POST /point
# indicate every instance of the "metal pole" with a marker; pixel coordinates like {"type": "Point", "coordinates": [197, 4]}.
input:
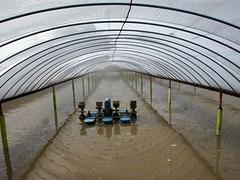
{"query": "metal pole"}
{"type": "Point", "coordinates": [83, 88]}
{"type": "Point", "coordinates": [92, 82]}
{"type": "Point", "coordinates": [95, 82]}
{"type": "Point", "coordinates": [55, 108]}
{"type": "Point", "coordinates": [132, 79]}
{"type": "Point", "coordinates": [150, 89]}
{"type": "Point", "coordinates": [129, 78]}
{"type": "Point", "coordinates": [5, 143]}
{"type": "Point", "coordinates": [73, 89]}
{"type": "Point", "coordinates": [219, 116]}
{"type": "Point", "coordinates": [136, 80]}
{"type": "Point", "coordinates": [141, 85]}
{"type": "Point", "coordinates": [194, 90]}
{"type": "Point", "coordinates": [179, 86]}
{"type": "Point", "coordinates": [170, 103]}
{"type": "Point", "coordinates": [88, 79]}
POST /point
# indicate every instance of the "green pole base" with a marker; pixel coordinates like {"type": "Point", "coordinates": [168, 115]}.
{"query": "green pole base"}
{"type": "Point", "coordinates": [219, 122]}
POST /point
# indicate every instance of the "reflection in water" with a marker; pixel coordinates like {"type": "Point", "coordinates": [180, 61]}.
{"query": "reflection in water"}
{"type": "Point", "coordinates": [170, 113]}
{"type": "Point", "coordinates": [100, 130]}
{"type": "Point", "coordinates": [117, 129]}
{"type": "Point", "coordinates": [133, 129]}
{"type": "Point", "coordinates": [108, 130]}
{"type": "Point", "coordinates": [218, 152]}
{"type": "Point", "coordinates": [83, 131]}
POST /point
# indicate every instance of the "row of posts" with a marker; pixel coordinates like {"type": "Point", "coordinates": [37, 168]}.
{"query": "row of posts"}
{"type": "Point", "coordinates": [133, 76]}
{"type": "Point", "coordinates": [3, 128]}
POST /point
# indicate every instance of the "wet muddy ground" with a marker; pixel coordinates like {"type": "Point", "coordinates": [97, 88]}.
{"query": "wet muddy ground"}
{"type": "Point", "coordinates": [148, 149]}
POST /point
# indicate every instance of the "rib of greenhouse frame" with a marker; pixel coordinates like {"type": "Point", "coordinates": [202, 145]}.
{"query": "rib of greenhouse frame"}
{"type": "Point", "coordinates": [119, 4]}
{"type": "Point", "coordinates": [94, 41]}
{"type": "Point", "coordinates": [120, 21]}
{"type": "Point", "coordinates": [101, 46]}
{"type": "Point", "coordinates": [58, 70]}
{"type": "Point", "coordinates": [33, 81]}
{"type": "Point", "coordinates": [35, 60]}
{"type": "Point", "coordinates": [74, 64]}
{"type": "Point", "coordinates": [207, 49]}
{"type": "Point", "coordinates": [93, 67]}
{"type": "Point", "coordinates": [146, 48]}
{"type": "Point", "coordinates": [183, 30]}
{"type": "Point", "coordinates": [146, 65]}
{"type": "Point", "coordinates": [142, 44]}
{"type": "Point", "coordinates": [148, 32]}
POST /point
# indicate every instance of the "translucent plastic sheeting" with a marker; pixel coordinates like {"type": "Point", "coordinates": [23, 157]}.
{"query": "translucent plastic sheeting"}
{"type": "Point", "coordinates": [47, 42]}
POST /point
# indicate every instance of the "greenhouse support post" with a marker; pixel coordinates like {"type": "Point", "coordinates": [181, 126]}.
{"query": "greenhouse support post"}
{"type": "Point", "coordinates": [83, 88]}
{"type": "Point", "coordinates": [55, 108]}
{"type": "Point", "coordinates": [88, 80]}
{"type": "Point", "coordinates": [5, 143]}
{"type": "Point", "coordinates": [219, 116]}
{"type": "Point", "coordinates": [74, 99]}
{"type": "Point", "coordinates": [170, 102]}
{"type": "Point", "coordinates": [150, 89]}
{"type": "Point", "coordinates": [136, 76]}
{"type": "Point", "coordinates": [141, 85]}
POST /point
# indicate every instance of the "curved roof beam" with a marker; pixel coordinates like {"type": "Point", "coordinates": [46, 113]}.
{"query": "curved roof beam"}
{"type": "Point", "coordinates": [162, 44]}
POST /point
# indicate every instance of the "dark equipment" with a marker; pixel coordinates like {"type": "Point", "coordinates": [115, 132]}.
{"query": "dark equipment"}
{"type": "Point", "coordinates": [116, 115]}
{"type": "Point", "coordinates": [133, 106]}
{"type": "Point", "coordinates": [107, 115]}
{"type": "Point", "coordinates": [99, 105]}
{"type": "Point", "coordinates": [81, 105]}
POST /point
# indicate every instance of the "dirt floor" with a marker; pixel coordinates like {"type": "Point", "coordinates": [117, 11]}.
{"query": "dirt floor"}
{"type": "Point", "coordinates": [149, 149]}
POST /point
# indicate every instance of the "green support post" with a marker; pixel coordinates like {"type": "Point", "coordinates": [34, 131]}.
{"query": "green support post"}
{"type": "Point", "coordinates": [219, 116]}
{"type": "Point", "coordinates": [55, 108]}
{"type": "Point", "coordinates": [141, 85]}
{"type": "Point", "coordinates": [194, 90]}
{"type": "Point", "coordinates": [74, 98]}
{"type": "Point", "coordinates": [218, 152]}
{"type": "Point", "coordinates": [170, 103]}
{"type": "Point", "coordinates": [5, 143]}
{"type": "Point", "coordinates": [150, 89]}
{"type": "Point", "coordinates": [88, 80]}
{"type": "Point", "coordinates": [83, 87]}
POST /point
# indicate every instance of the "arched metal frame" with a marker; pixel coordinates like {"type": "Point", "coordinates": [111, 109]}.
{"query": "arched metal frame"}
{"type": "Point", "coordinates": [171, 64]}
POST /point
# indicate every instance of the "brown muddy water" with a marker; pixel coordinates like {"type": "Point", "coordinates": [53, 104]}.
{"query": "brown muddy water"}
{"type": "Point", "coordinates": [149, 149]}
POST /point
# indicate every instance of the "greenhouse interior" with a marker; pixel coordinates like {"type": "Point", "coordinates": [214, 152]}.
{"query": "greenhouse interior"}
{"type": "Point", "coordinates": [119, 89]}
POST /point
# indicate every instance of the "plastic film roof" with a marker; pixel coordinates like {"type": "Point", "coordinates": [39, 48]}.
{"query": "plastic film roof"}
{"type": "Point", "coordinates": [44, 42]}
